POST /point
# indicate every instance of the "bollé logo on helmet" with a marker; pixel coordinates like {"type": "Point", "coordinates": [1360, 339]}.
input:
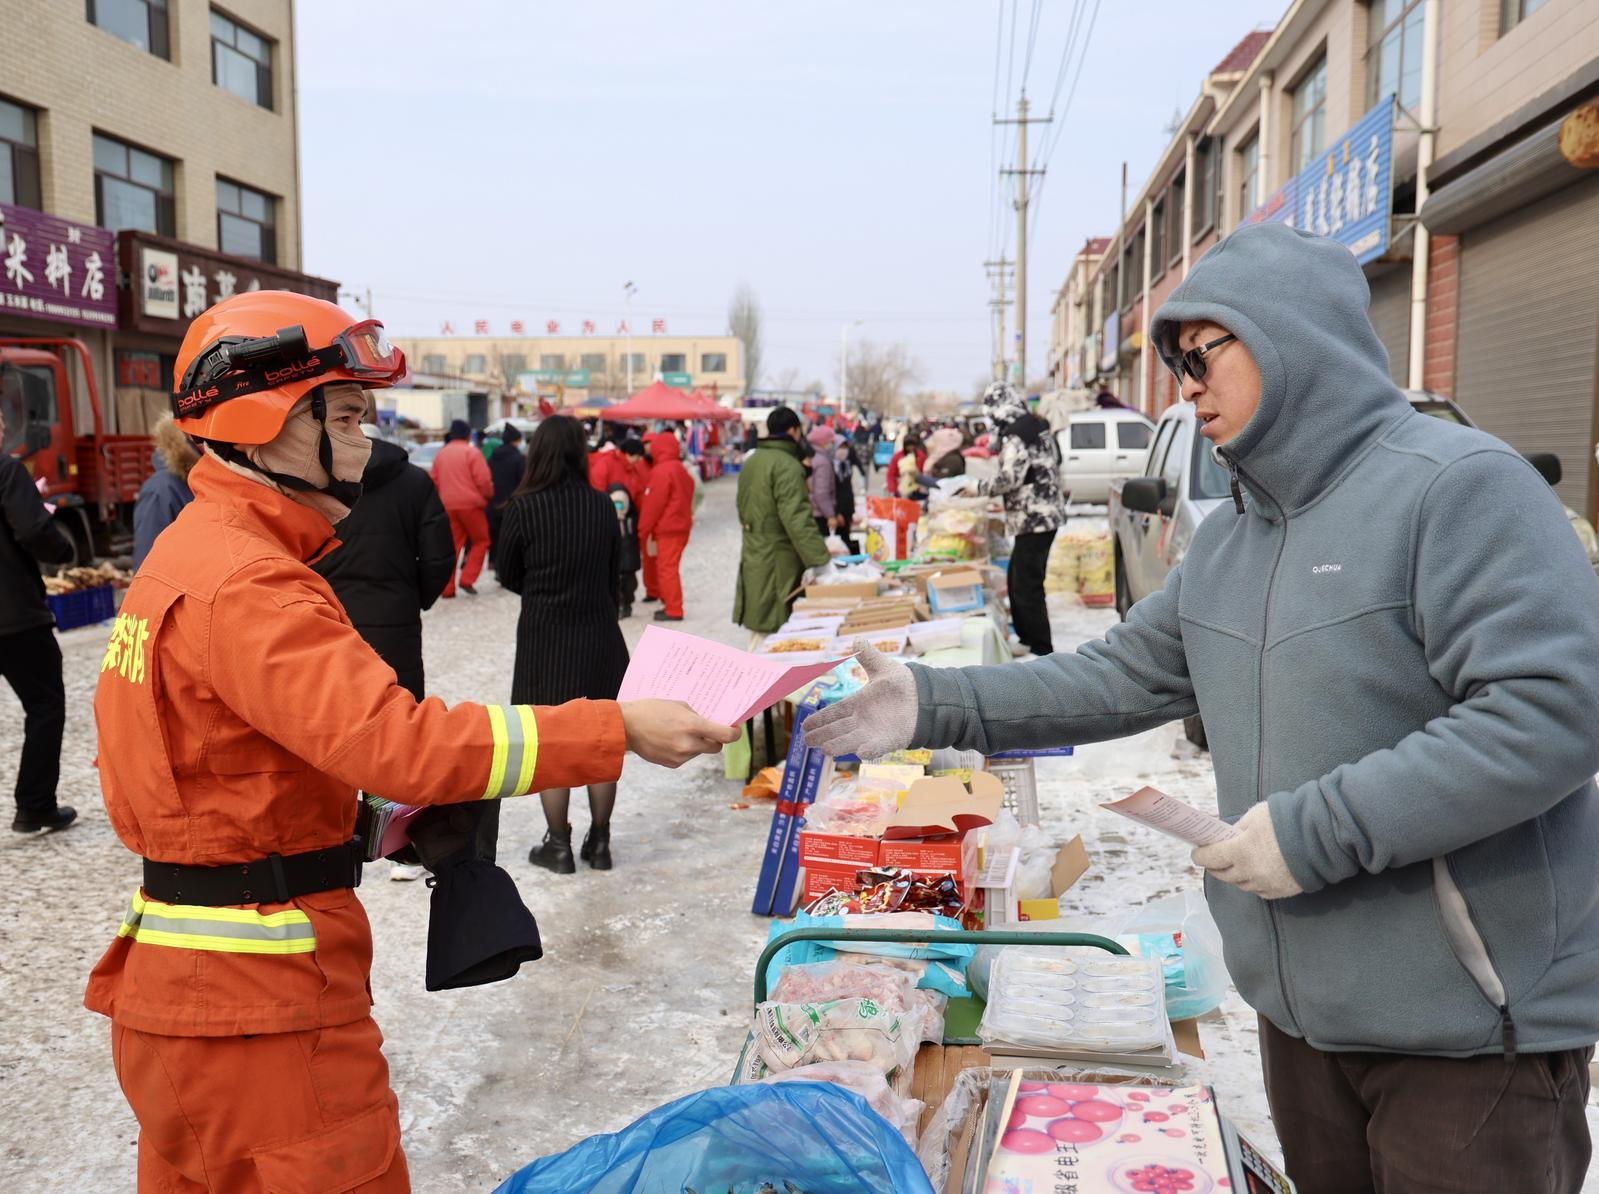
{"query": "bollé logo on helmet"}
{"type": "Point", "coordinates": [195, 400]}
{"type": "Point", "coordinates": [297, 369]}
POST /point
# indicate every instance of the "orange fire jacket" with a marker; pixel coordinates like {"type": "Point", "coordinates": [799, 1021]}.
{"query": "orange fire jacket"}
{"type": "Point", "coordinates": [238, 714]}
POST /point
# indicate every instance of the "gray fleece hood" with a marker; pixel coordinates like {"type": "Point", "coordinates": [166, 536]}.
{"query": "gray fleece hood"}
{"type": "Point", "coordinates": [1299, 305]}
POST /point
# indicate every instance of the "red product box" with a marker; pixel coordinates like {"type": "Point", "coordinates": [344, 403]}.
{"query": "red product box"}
{"type": "Point", "coordinates": [820, 878]}
{"type": "Point", "coordinates": [941, 856]}
{"type": "Point", "coordinates": [838, 850]}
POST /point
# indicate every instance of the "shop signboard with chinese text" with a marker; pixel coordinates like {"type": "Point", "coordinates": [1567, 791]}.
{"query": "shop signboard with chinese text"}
{"type": "Point", "coordinates": [52, 268]}
{"type": "Point", "coordinates": [681, 380]}
{"type": "Point", "coordinates": [1107, 342]}
{"type": "Point", "coordinates": [1347, 192]}
{"type": "Point", "coordinates": [166, 282]}
{"type": "Point", "coordinates": [566, 377]}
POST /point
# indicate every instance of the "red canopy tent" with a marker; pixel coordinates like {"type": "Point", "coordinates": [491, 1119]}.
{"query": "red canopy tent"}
{"type": "Point", "coordinates": [655, 401]}
{"type": "Point", "coordinates": [711, 409]}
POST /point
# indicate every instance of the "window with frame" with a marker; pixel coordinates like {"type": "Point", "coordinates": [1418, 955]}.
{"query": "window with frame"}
{"type": "Point", "coordinates": [512, 363]}
{"type": "Point", "coordinates": [1157, 241]}
{"type": "Point", "coordinates": [19, 155]}
{"type": "Point", "coordinates": [1132, 435]}
{"type": "Point", "coordinates": [594, 362]}
{"type": "Point", "coordinates": [674, 362]}
{"type": "Point", "coordinates": [247, 222]}
{"type": "Point", "coordinates": [475, 365]}
{"type": "Point", "coordinates": [1513, 12]}
{"type": "Point", "coordinates": [1248, 176]}
{"type": "Point", "coordinates": [434, 362]}
{"type": "Point", "coordinates": [1088, 437]}
{"type": "Point", "coordinates": [1205, 187]}
{"type": "Point", "coordinates": [553, 360]}
{"type": "Point", "coordinates": [713, 362]}
{"type": "Point", "coordinates": [1174, 218]}
{"type": "Point", "coordinates": [636, 364]}
{"type": "Point", "coordinates": [132, 188]}
{"type": "Point", "coordinates": [1310, 118]}
{"type": "Point", "coordinates": [241, 61]}
{"type": "Point", "coordinates": [1138, 258]}
{"type": "Point", "coordinates": [1393, 50]}
{"type": "Point", "coordinates": [141, 23]}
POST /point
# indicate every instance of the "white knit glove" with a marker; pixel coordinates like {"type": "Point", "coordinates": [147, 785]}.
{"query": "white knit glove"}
{"type": "Point", "coordinates": [877, 720]}
{"type": "Point", "coordinates": [1251, 859]}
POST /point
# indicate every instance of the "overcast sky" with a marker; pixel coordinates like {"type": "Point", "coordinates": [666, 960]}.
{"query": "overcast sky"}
{"type": "Point", "coordinates": [523, 159]}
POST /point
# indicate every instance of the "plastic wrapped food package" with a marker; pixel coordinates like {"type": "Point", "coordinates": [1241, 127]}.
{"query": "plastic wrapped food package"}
{"type": "Point", "coordinates": [788, 1035]}
{"type": "Point", "coordinates": [866, 1081]}
{"type": "Point", "coordinates": [1050, 999]}
{"type": "Point", "coordinates": [889, 981]}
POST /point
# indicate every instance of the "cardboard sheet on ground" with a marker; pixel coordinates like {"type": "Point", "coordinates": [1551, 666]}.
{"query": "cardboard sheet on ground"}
{"type": "Point", "coordinates": [1168, 815]}
{"type": "Point", "coordinates": [720, 683]}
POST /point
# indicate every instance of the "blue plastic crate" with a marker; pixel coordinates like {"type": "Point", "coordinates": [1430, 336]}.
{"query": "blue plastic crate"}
{"type": "Point", "coordinates": [84, 607]}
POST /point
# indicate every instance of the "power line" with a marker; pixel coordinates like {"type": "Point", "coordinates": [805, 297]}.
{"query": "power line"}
{"type": "Point", "coordinates": [1072, 28]}
{"type": "Point", "coordinates": [1060, 129]}
{"type": "Point", "coordinates": [1032, 39]}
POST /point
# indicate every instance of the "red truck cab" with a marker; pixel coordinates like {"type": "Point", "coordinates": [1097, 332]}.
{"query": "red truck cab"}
{"type": "Point", "coordinates": [92, 477]}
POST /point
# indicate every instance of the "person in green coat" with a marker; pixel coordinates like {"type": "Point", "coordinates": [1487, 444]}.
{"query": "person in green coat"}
{"type": "Point", "coordinates": [780, 536]}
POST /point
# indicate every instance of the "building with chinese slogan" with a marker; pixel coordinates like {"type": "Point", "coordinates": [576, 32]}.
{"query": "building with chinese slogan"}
{"type": "Point", "coordinates": [587, 365]}
{"type": "Point", "coordinates": [149, 166]}
{"type": "Point", "coordinates": [1318, 123]}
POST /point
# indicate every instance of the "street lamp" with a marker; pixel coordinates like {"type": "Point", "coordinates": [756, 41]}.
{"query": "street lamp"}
{"type": "Point", "coordinates": [628, 290]}
{"type": "Point", "coordinates": [843, 365]}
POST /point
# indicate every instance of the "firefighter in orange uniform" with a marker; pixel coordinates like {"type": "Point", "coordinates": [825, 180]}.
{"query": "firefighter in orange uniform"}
{"type": "Point", "coordinates": [238, 714]}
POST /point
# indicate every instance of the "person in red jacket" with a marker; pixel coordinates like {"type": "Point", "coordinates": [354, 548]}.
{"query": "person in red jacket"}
{"type": "Point", "coordinates": [465, 487]}
{"type": "Point", "coordinates": [608, 467]}
{"type": "Point", "coordinates": [665, 518]}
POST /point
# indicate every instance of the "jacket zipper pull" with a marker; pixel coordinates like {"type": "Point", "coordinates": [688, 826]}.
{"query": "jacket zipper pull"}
{"type": "Point", "coordinates": [1238, 494]}
{"type": "Point", "coordinates": [1508, 1028]}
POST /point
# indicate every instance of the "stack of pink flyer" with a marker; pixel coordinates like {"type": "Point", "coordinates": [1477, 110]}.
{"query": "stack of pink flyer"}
{"type": "Point", "coordinates": [719, 682]}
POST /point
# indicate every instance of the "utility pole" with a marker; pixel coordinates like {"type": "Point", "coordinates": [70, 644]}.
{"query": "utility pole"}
{"type": "Point", "coordinates": [1022, 174]}
{"type": "Point", "coordinates": [999, 275]}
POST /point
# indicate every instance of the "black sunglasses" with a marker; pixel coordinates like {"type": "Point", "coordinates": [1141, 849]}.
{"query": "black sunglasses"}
{"type": "Point", "coordinates": [1192, 362]}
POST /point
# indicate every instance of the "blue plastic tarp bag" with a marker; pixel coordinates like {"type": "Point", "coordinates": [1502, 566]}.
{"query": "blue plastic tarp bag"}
{"type": "Point", "coordinates": [819, 1138]}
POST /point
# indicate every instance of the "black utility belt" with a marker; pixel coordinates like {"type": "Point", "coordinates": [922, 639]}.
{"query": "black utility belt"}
{"type": "Point", "coordinates": [275, 879]}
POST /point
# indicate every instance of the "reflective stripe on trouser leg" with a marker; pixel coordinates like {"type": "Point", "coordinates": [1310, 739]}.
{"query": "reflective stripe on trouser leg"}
{"type": "Point", "coordinates": [516, 751]}
{"type": "Point", "coordinates": [222, 930]}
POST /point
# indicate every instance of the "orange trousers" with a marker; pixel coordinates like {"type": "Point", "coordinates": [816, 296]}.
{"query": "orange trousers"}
{"type": "Point", "coordinates": [279, 1111]}
{"type": "Point", "coordinates": [669, 585]}
{"type": "Point", "coordinates": [467, 525]}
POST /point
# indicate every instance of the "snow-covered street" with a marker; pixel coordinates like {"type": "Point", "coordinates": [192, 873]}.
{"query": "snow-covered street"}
{"type": "Point", "coordinates": [644, 991]}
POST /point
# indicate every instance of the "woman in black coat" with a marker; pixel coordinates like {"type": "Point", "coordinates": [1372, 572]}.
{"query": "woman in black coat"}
{"type": "Point", "coordinates": [394, 559]}
{"type": "Point", "coordinates": [561, 549]}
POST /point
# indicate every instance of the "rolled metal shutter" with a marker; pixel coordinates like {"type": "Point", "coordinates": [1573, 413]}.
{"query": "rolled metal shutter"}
{"type": "Point", "coordinates": [1527, 361]}
{"type": "Point", "coordinates": [1390, 317]}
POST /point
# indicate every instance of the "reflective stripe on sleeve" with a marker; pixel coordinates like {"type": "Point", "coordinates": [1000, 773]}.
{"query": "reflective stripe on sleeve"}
{"type": "Point", "coordinates": [516, 751]}
{"type": "Point", "coordinates": [223, 930]}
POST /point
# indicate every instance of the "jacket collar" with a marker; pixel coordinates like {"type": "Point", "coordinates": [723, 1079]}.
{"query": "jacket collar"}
{"type": "Point", "coordinates": [780, 443]}
{"type": "Point", "coordinates": [299, 530]}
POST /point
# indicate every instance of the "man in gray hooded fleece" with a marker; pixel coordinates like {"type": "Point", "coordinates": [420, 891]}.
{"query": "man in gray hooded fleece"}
{"type": "Point", "coordinates": [1393, 638]}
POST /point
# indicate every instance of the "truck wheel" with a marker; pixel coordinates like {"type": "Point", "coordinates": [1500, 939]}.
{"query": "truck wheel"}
{"type": "Point", "coordinates": [1124, 598]}
{"type": "Point", "coordinates": [74, 524]}
{"type": "Point", "coordinates": [1194, 731]}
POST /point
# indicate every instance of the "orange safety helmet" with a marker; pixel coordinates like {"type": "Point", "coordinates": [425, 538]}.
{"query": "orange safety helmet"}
{"type": "Point", "coordinates": [241, 368]}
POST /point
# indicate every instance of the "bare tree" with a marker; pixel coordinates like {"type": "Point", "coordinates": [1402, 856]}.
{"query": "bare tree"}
{"type": "Point", "coordinates": [744, 321]}
{"type": "Point", "coordinates": [880, 374]}
{"type": "Point", "coordinates": [788, 379]}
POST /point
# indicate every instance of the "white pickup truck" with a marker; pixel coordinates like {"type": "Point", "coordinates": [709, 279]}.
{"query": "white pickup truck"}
{"type": "Point", "coordinates": [1153, 517]}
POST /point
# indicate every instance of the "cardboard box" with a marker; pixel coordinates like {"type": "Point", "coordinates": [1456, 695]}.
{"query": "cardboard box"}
{"type": "Point", "coordinates": [863, 588]}
{"type": "Point", "coordinates": [1002, 909]}
{"type": "Point", "coordinates": [821, 878]}
{"type": "Point", "coordinates": [838, 849]}
{"type": "Point", "coordinates": [941, 804]}
{"type": "Point", "coordinates": [938, 856]}
{"type": "Point", "coordinates": [955, 591]}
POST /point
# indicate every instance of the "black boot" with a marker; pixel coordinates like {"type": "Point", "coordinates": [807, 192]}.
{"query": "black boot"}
{"type": "Point", "coordinates": [556, 852]}
{"type": "Point", "coordinates": [46, 822]}
{"type": "Point", "coordinates": [596, 849]}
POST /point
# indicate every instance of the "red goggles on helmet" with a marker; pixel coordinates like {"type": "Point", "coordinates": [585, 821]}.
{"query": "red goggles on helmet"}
{"type": "Point", "coordinates": [238, 365]}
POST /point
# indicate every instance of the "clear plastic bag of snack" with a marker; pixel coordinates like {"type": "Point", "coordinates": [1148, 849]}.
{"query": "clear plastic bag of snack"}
{"type": "Point", "coordinates": [788, 1035]}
